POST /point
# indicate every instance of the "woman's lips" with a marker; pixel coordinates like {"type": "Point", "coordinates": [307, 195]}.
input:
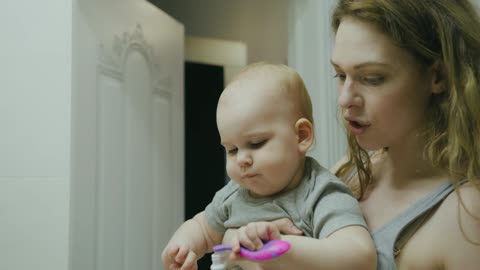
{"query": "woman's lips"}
{"type": "Point", "coordinates": [357, 128]}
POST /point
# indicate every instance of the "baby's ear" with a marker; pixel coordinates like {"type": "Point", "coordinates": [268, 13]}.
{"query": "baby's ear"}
{"type": "Point", "coordinates": [305, 135]}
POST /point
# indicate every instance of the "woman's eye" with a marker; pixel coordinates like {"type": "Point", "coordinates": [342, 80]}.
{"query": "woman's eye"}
{"type": "Point", "coordinates": [340, 76]}
{"type": "Point", "coordinates": [259, 144]}
{"type": "Point", "coordinates": [373, 80]}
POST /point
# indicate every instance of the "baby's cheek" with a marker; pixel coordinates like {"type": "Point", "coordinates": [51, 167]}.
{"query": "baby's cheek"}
{"type": "Point", "coordinates": [231, 171]}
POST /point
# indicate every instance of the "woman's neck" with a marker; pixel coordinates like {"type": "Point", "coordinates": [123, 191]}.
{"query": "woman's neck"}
{"type": "Point", "coordinates": [401, 167]}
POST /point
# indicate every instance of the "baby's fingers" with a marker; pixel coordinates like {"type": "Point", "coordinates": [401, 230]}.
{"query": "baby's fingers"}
{"type": "Point", "coordinates": [182, 254]}
{"type": "Point", "coordinates": [250, 237]}
{"type": "Point", "coordinates": [174, 266]}
{"type": "Point", "coordinates": [235, 254]}
{"type": "Point", "coordinates": [190, 262]}
{"type": "Point", "coordinates": [235, 243]}
{"type": "Point", "coordinates": [169, 254]}
{"type": "Point", "coordinates": [269, 231]}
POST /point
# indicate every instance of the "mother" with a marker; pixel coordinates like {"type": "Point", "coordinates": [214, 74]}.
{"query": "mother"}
{"type": "Point", "coordinates": [408, 83]}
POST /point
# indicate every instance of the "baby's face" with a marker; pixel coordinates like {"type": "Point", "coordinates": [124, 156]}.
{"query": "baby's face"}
{"type": "Point", "coordinates": [257, 129]}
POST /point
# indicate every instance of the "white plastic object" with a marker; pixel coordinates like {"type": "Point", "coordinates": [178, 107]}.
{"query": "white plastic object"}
{"type": "Point", "coordinates": [220, 257]}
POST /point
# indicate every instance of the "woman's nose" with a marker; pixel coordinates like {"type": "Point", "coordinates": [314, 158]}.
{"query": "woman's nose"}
{"type": "Point", "coordinates": [347, 95]}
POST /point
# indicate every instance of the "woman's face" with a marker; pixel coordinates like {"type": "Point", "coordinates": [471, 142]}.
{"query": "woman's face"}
{"type": "Point", "coordinates": [383, 91]}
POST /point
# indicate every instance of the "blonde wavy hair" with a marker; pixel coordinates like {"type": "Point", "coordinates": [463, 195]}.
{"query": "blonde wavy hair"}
{"type": "Point", "coordinates": [434, 31]}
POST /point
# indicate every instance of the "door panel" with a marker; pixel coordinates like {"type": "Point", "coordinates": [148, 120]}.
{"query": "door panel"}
{"type": "Point", "coordinates": [127, 179]}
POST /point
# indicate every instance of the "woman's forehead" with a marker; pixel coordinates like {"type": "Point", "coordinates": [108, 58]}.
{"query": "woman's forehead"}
{"type": "Point", "coordinates": [360, 44]}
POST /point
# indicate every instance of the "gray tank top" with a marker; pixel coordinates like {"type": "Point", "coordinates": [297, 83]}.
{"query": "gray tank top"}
{"type": "Point", "coordinates": [390, 238]}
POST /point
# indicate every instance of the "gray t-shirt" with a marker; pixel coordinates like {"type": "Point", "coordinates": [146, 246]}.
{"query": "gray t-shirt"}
{"type": "Point", "coordinates": [319, 206]}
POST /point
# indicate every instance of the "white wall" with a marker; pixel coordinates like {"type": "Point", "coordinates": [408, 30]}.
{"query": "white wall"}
{"type": "Point", "coordinates": [261, 25]}
{"type": "Point", "coordinates": [35, 134]}
{"type": "Point", "coordinates": [310, 42]}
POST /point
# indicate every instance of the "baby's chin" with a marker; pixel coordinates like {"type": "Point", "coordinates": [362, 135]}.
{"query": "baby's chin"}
{"type": "Point", "coordinates": [256, 194]}
{"type": "Point", "coordinates": [262, 194]}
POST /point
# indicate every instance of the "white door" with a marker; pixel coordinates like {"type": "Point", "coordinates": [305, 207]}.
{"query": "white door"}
{"type": "Point", "coordinates": [127, 134]}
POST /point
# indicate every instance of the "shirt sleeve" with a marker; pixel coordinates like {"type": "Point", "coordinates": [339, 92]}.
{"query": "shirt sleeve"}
{"type": "Point", "coordinates": [218, 210]}
{"type": "Point", "coordinates": [335, 208]}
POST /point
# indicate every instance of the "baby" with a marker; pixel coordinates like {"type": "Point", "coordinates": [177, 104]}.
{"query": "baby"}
{"type": "Point", "coordinates": [264, 117]}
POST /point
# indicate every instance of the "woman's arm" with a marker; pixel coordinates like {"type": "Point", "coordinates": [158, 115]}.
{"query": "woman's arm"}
{"type": "Point", "coordinates": [348, 248]}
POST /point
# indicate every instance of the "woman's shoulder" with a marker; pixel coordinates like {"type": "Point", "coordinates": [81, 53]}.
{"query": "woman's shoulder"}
{"type": "Point", "coordinates": [463, 206]}
{"type": "Point", "coordinates": [459, 224]}
{"type": "Point", "coordinates": [450, 239]}
{"type": "Point", "coordinates": [467, 195]}
{"type": "Point", "coordinates": [461, 209]}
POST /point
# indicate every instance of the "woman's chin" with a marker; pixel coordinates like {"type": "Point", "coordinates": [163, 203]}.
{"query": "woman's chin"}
{"type": "Point", "coordinates": [369, 145]}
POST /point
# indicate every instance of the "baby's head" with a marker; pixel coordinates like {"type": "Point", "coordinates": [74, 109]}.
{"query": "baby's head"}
{"type": "Point", "coordinates": [264, 117]}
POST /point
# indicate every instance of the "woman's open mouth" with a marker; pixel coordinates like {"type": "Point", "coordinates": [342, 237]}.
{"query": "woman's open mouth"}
{"type": "Point", "coordinates": [357, 128]}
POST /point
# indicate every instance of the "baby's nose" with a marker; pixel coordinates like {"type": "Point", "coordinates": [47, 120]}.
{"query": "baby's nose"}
{"type": "Point", "coordinates": [244, 158]}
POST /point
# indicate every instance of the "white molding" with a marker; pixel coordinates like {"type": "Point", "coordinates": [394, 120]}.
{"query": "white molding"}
{"type": "Point", "coordinates": [232, 55]}
{"type": "Point", "coordinates": [111, 60]}
{"type": "Point", "coordinates": [215, 51]}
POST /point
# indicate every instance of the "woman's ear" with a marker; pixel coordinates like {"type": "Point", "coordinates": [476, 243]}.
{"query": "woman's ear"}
{"type": "Point", "coordinates": [305, 134]}
{"type": "Point", "coordinates": [439, 77]}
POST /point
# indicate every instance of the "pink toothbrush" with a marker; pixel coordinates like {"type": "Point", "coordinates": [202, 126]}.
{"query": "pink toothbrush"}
{"type": "Point", "coordinates": [270, 250]}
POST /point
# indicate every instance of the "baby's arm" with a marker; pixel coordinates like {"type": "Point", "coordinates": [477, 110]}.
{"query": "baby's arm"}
{"type": "Point", "coordinates": [347, 248]}
{"type": "Point", "coordinates": [190, 242]}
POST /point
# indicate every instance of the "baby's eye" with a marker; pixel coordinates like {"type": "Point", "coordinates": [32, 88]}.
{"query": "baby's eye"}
{"type": "Point", "coordinates": [256, 145]}
{"type": "Point", "coordinates": [232, 151]}
{"type": "Point", "coordinates": [373, 80]}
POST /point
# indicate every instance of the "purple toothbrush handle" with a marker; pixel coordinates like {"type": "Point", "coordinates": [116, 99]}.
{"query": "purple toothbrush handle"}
{"type": "Point", "coordinates": [270, 250]}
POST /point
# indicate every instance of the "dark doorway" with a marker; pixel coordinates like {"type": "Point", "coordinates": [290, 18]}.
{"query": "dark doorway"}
{"type": "Point", "coordinates": [204, 156]}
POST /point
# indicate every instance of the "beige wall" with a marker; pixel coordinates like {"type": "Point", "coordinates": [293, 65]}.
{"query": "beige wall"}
{"type": "Point", "coordinates": [261, 25]}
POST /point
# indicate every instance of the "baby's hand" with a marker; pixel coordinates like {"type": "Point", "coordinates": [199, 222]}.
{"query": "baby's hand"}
{"type": "Point", "coordinates": [254, 234]}
{"type": "Point", "coordinates": [179, 256]}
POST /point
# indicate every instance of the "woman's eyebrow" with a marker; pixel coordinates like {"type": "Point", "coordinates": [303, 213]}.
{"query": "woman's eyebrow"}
{"type": "Point", "coordinates": [364, 64]}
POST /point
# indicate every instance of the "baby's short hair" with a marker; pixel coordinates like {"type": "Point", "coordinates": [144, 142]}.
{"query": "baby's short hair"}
{"type": "Point", "coordinates": [286, 76]}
